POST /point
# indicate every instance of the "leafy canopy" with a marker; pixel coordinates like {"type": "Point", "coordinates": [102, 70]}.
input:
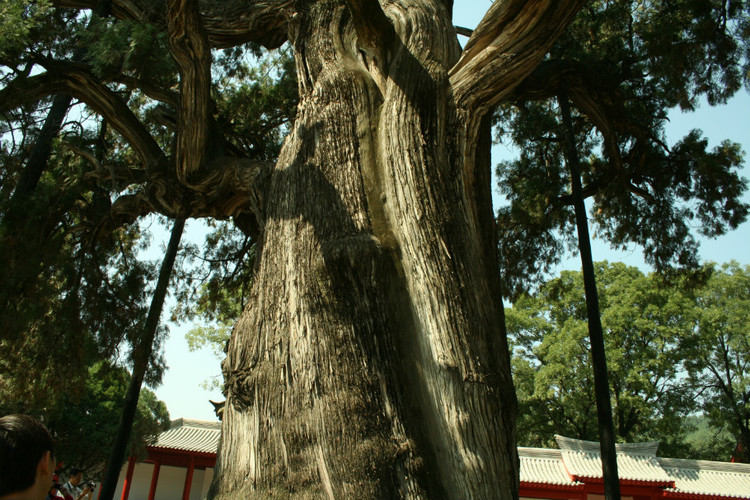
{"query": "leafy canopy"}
{"type": "Point", "coordinates": [624, 66]}
{"type": "Point", "coordinates": [677, 359]}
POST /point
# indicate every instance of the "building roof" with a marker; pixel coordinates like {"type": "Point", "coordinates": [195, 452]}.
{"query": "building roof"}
{"type": "Point", "coordinates": [542, 466]}
{"type": "Point", "coordinates": [574, 464]}
{"type": "Point", "coordinates": [190, 435]}
{"type": "Point", "coordinates": [577, 462]}
{"type": "Point", "coordinates": [697, 477]}
{"type": "Point", "coordinates": [636, 462]}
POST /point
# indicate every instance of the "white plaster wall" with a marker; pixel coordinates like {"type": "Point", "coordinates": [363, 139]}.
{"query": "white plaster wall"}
{"type": "Point", "coordinates": [170, 485]}
{"type": "Point", "coordinates": [208, 476]}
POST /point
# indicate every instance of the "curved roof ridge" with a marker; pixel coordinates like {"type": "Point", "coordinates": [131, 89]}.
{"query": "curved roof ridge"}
{"type": "Point", "coordinates": [198, 424]}
{"type": "Point", "coordinates": [708, 465]}
{"type": "Point", "coordinates": [646, 449]}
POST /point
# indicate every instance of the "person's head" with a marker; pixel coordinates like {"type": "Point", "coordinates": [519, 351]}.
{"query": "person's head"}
{"type": "Point", "coordinates": [27, 459]}
{"type": "Point", "coordinates": [76, 476]}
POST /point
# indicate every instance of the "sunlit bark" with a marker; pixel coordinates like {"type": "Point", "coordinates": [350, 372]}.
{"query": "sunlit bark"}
{"type": "Point", "coordinates": [371, 361]}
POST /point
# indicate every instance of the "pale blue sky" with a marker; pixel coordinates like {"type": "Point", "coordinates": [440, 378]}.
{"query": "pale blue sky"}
{"type": "Point", "coordinates": [181, 389]}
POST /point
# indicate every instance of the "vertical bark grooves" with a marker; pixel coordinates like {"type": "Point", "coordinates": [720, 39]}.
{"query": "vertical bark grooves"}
{"type": "Point", "coordinates": [442, 258]}
{"type": "Point", "coordinates": [365, 366]}
{"type": "Point", "coordinates": [188, 43]}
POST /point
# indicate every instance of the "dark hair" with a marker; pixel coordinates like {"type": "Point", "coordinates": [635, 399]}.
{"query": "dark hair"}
{"type": "Point", "coordinates": [23, 441]}
{"type": "Point", "coordinates": [75, 471]}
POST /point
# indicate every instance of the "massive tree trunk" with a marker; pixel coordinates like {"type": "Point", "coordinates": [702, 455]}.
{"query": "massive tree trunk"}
{"type": "Point", "coordinates": [370, 362]}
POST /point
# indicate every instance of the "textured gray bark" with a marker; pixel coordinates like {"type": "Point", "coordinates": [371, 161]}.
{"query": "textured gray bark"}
{"type": "Point", "coordinates": [371, 360]}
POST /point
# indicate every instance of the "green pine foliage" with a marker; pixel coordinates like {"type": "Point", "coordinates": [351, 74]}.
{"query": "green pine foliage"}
{"type": "Point", "coordinates": [625, 65]}
{"type": "Point", "coordinates": [84, 427]}
{"type": "Point", "coordinates": [677, 359]}
{"type": "Point", "coordinates": [22, 22]}
{"type": "Point", "coordinates": [72, 288]}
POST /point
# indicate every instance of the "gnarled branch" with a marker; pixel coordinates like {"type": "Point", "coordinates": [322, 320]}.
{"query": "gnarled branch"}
{"type": "Point", "coordinates": [228, 23]}
{"type": "Point", "coordinates": [234, 188]}
{"type": "Point", "coordinates": [77, 81]}
{"type": "Point", "coordinates": [507, 45]}
{"type": "Point", "coordinates": [149, 89]}
{"type": "Point", "coordinates": [188, 43]}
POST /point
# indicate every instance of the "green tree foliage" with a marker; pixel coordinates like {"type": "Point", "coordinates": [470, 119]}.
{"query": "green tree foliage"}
{"type": "Point", "coordinates": [677, 355]}
{"type": "Point", "coordinates": [644, 327]}
{"type": "Point", "coordinates": [84, 427]}
{"type": "Point", "coordinates": [21, 22]}
{"type": "Point", "coordinates": [719, 363]}
{"type": "Point", "coordinates": [85, 421]}
{"type": "Point", "coordinates": [707, 441]}
{"type": "Point", "coordinates": [70, 293]}
{"type": "Point", "coordinates": [74, 285]}
{"type": "Point", "coordinates": [624, 65]}
{"type": "Point", "coordinates": [219, 291]}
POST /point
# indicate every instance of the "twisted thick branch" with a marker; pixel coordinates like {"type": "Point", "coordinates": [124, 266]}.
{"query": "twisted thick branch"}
{"type": "Point", "coordinates": [188, 43]}
{"type": "Point", "coordinates": [227, 187]}
{"type": "Point", "coordinates": [228, 23]}
{"type": "Point", "coordinates": [77, 81]}
{"type": "Point", "coordinates": [235, 187]}
{"type": "Point", "coordinates": [506, 46]}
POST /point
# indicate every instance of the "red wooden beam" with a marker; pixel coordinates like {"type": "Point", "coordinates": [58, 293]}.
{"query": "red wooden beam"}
{"type": "Point", "coordinates": [154, 481]}
{"type": "Point", "coordinates": [188, 479]}
{"type": "Point", "coordinates": [550, 491]}
{"type": "Point", "coordinates": [128, 479]}
{"type": "Point", "coordinates": [181, 458]}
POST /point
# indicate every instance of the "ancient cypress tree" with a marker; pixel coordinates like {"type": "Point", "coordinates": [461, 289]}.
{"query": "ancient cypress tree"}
{"type": "Point", "coordinates": [371, 360]}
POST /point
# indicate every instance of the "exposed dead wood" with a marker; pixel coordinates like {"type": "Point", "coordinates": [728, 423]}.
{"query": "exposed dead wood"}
{"type": "Point", "coordinates": [373, 27]}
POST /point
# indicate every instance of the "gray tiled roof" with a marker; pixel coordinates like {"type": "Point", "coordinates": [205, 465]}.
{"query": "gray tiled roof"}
{"type": "Point", "coordinates": [542, 466]}
{"type": "Point", "coordinates": [635, 462]}
{"type": "Point", "coordinates": [191, 435]}
{"type": "Point", "coordinates": [708, 478]}
{"type": "Point", "coordinates": [568, 467]}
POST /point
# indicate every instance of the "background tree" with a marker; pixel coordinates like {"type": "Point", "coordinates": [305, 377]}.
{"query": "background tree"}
{"type": "Point", "coordinates": [677, 356]}
{"type": "Point", "coordinates": [645, 328]}
{"type": "Point", "coordinates": [83, 426]}
{"type": "Point", "coordinates": [620, 71]}
{"type": "Point", "coordinates": [708, 442]}
{"type": "Point", "coordinates": [141, 354]}
{"type": "Point", "coordinates": [68, 296]}
{"type": "Point", "coordinates": [720, 362]}
{"type": "Point", "coordinates": [624, 66]}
